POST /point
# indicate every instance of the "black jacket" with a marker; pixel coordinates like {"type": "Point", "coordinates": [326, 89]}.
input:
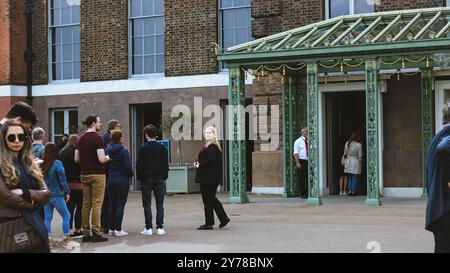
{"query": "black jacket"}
{"type": "Point", "coordinates": [152, 162]}
{"type": "Point", "coordinates": [210, 166]}
{"type": "Point", "coordinates": [71, 168]}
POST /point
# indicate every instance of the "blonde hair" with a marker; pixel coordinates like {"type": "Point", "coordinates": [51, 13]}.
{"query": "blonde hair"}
{"type": "Point", "coordinates": [25, 156]}
{"type": "Point", "coordinates": [214, 139]}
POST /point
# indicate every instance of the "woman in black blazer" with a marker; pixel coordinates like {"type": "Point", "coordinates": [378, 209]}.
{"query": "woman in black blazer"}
{"type": "Point", "coordinates": [209, 175]}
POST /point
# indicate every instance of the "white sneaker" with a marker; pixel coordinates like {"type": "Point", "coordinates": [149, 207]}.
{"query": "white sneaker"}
{"type": "Point", "coordinates": [160, 231]}
{"type": "Point", "coordinates": [147, 232]}
{"type": "Point", "coordinates": [111, 232]}
{"type": "Point", "coordinates": [120, 233]}
{"type": "Point", "coordinates": [341, 193]}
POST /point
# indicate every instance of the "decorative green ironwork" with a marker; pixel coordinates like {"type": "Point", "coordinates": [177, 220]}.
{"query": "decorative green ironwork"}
{"type": "Point", "coordinates": [236, 98]}
{"type": "Point", "coordinates": [390, 28]}
{"type": "Point", "coordinates": [427, 122]}
{"type": "Point", "coordinates": [313, 135]}
{"type": "Point", "coordinates": [373, 142]}
{"type": "Point", "coordinates": [290, 134]}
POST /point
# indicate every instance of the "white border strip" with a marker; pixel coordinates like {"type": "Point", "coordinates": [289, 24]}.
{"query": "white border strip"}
{"type": "Point", "coordinates": [133, 84]}
{"type": "Point", "coordinates": [402, 192]}
{"type": "Point", "coordinates": [13, 91]}
{"type": "Point", "coordinates": [268, 190]}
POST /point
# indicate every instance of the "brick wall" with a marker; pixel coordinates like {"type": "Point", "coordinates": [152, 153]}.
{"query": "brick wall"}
{"type": "Point", "coordinates": [104, 40]}
{"type": "Point", "coordinates": [386, 5]}
{"type": "Point", "coordinates": [191, 27]}
{"type": "Point", "coordinates": [4, 43]}
{"type": "Point", "coordinates": [40, 49]}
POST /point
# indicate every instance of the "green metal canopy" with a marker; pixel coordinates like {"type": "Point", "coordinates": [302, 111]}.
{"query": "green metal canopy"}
{"type": "Point", "coordinates": [415, 31]}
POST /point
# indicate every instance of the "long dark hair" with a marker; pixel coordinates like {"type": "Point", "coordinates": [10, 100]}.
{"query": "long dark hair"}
{"type": "Point", "coordinates": [51, 153]}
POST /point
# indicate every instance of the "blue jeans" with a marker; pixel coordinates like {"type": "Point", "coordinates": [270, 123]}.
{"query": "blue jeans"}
{"type": "Point", "coordinates": [158, 186]}
{"type": "Point", "coordinates": [118, 194]}
{"type": "Point", "coordinates": [353, 182]}
{"type": "Point", "coordinates": [60, 204]}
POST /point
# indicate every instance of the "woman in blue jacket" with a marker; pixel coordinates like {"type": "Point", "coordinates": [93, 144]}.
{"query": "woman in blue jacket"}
{"type": "Point", "coordinates": [55, 179]}
{"type": "Point", "coordinates": [118, 184]}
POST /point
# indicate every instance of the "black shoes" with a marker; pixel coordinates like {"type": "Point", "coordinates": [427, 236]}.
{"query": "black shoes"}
{"type": "Point", "coordinates": [224, 223]}
{"type": "Point", "coordinates": [95, 238]}
{"type": "Point", "coordinates": [205, 227]}
{"type": "Point", "coordinates": [76, 235]}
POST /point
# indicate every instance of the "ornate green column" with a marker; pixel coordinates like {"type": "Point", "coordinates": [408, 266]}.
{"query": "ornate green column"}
{"type": "Point", "coordinates": [313, 135]}
{"type": "Point", "coordinates": [372, 139]}
{"type": "Point", "coordinates": [427, 122]}
{"type": "Point", "coordinates": [290, 134]}
{"type": "Point", "coordinates": [237, 158]}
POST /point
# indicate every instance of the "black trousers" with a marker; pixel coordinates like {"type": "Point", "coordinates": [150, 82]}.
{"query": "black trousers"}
{"type": "Point", "coordinates": [75, 207]}
{"type": "Point", "coordinates": [211, 204]}
{"type": "Point", "coordinates": [441, 234]}
{"type": "Point", "coordinates": [104, 221]}
{"type": "Point", "coordinates": [303, 178]}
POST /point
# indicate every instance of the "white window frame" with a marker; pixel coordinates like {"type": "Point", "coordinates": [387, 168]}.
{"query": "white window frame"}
{"type": "Point", "coordinates": [66, 121]}
{"type": "Point", "coordinates": [220, 30]}
{"type": "Point", "coordinates": [49, 42]}
{"type": "Point", "coordinates": [130, 44]}
{"type": "Point", "coordinates": [351, 9]}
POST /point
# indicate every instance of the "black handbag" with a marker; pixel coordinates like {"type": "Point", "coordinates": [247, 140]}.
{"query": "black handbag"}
{"type": "Point", "coordinates": [17, 235]}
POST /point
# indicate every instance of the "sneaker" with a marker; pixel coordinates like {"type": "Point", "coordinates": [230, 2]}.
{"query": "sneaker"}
{"type": "Point", "coordinates": [86, 239]}
{"type": "Point", "coordinates": [224, 223]}
{"type": "Point", "coordinates": [76, 235]}
{"type": "Point", "coordinates": [341, 193]}
{"type": "Point", "coordinates": [52, 242]}
{"type": "Point", "coordinates": [120, 233]}
{"type": "Point", "coordinates": [344, 193]}
{"type": "Point", "coordinates": [205, 227]}
{"type": "Point", "coordinates": [97, 238]}
{"type": "Point", "coordinates": [160, 231]}
{"type": "Point", "coordinates": [111, 232]}
{"type": "Point", "coordinates": [147, 232]}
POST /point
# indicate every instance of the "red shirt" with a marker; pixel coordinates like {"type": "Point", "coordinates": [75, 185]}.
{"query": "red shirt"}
{"type": "Point", "coordinates": [87, 146]}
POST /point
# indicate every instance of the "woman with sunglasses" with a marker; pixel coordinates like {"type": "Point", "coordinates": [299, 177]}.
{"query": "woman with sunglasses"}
{"type": "Point", "coordinates": [56, 181]}
{"type": "Point", "coordinates": [21, 176]}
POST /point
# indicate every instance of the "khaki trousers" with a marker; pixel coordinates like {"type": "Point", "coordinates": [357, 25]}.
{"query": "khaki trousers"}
{"type": "Point", "coordinates": [93, 192]}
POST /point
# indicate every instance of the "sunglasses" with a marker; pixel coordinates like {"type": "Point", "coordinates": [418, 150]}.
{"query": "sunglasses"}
{"type": "Point", "coordinates": [13, 137]}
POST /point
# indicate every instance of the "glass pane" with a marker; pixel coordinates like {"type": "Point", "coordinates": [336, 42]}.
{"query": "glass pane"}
{"type": "Point", "coordinates": [365, 6]}
{"type": "Point", "coordinates": [56, 71]}
{"type": "Point", "coordinates": [56, 17]}
{"type": "Point", "coordinates": [159, 7]}
{"type": "Point", "coordinates": [58, 119]}
{"type": "Point", "coordinates": [138, 27]}
{"type": "Point", "coordinates": [66, 35]}
{"type": "Point", "coordinates": [75, 15]}
{"type": "Point", "coordinates": [135, 8]}
{"type": "Point", "coordinates": [58, 36]}
{"type": "Point", "coordinates": [58, 53]}
{"type": "Point", "coordinates": [147, 7]}
{"type": "Point", "coordinates": [226, 3]}
{"type": "Point", "coordinates": [73, 122]}
{"type": "Point", "coordinates": [242, 17]}
{"type": "Point", "coordinates": [137, 65]}
{"type": "Point", "coordinates": [76, 70]}
{"type": "Point", "coordinates": [64, 4]}
{"type": "Point", "coordinates": [137, 46]}
{"type": "Point", "coordinates": [67, 52]}
{"type": "Point", "coordinates": [149, 64]}
{"type": "Point", "coordinates": [160, 44]}
{"type": "Point", "coordinates": [241, 36]}
{"type": "Point", "coordinates": [76, 34]}
{"type": "Point", "coordinates": [447, 3]}
{"type": "Point", "coordinates": [65, 16]}
{"type": "Point", "coordinates": [76, 52]}
{"type": "Point", "coordinates": [228, 38]}
{"type": "Point", "coordinates": [159, 63]}
{"type": "Point", "coordinates": [149, 45]}
{"type": "Point", "coordinates": [240, 3]}
{"type": "Point", "coordinates": [159, 25]}
{"type": "Point", "coordinates": [149, 26]}
{"type": "Point", "coordinates": [67, 71]}
{"type": "Point", "coordinates": [228, 19]}
{"type": "Point", "coordinates": [56, 3]}
{"type": "Point", "coordinates": [339, 7]}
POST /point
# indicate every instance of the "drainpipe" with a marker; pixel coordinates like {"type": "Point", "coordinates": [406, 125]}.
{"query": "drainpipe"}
{"type": "Point", "coordinates": [29, 52]}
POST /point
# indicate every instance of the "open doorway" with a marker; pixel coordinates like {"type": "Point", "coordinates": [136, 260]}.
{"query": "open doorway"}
{"type": "Point", "coordinates": [249, 148]}
{"type": "Point", "coordinates": [345, 113]}
{"type": "Point", "coordinates": [141, 116]}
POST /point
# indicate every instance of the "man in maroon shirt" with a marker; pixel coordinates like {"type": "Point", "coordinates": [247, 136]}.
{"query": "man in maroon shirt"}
{"type": "Point", "coordinates": [90, 153]}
